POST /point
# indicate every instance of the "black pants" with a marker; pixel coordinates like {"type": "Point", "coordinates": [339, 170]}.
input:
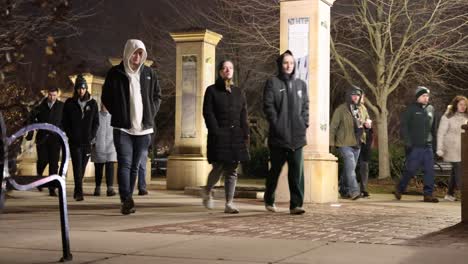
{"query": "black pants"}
{"type": "Point", "coordinates": [295, 160]}
{"type": "Point", "coordinates": [98, 167]}
{"type": "Point", "coordinates": [80, 157]}
{"type": "Point", "coordinates": [48, 152]}
{"type": "Point", "coordinates": [454, 180]}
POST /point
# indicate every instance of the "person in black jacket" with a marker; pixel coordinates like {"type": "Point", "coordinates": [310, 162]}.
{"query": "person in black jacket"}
{"type": "Point", "coordinates": [80, 122]}
{"type": "Point", "coordinates": [48, 144]}
{"type": "Point", "coordinates": [418, 130]}
{"type": "Point", "coordinates": [132, 95]}
{"type": "Point", "coordinates": [225, 113]}
{"type": "Point", "coordinates": [286, 106]}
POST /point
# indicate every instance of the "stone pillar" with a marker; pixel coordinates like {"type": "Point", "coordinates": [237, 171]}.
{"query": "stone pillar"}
{"type": "Point", "coordinates": [464, 175]}
{"type": "Point", "coordinates": [305, 30]}
{"type": "Point", "coordinates": [195, 70]}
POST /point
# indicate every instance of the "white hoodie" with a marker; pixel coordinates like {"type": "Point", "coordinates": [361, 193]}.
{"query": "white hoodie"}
{"type": "Point", "coordinates": [136, 103]}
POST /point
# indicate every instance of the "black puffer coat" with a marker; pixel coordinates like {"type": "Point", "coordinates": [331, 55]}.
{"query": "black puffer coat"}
{"type": "Point", "coordinates": [226, 119]}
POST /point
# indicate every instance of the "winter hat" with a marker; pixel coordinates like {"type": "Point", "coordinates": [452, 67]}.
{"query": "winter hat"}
{"type": "Point", "coordinates": [421, 90]}
{"type": "Point", "coordinates": [356, 90]}
{"type": "Point", "coordinates": [80, 82]}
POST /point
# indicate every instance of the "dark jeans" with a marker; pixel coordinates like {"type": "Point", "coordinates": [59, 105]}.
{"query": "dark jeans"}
{"type": "Point", "coordinates": [98, 167]}
{"type": "Point", "coordinates": [80, 157]}
{"type": "Point", "coordinates": [348, 182]}
{"type": "Point", "coordinates": [48, 152]}
{"type": "Point", "coordinates": [130, 149]}
{"type": "Point", "coordinates": [295, 160]}
{"type": "Point", "coordinates": [142, 171]}
{"type": "Point", "coordinates": [416, 158]}
{"type": "Point", "coordinates": [454, 181]}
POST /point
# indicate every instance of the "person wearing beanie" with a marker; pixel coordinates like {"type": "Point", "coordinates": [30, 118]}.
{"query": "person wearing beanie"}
{"type": "Point", "coordinates": [225, 114]}
{"type": "Point", "coordinates": [132, 95]}
{"type": "Point", "coordinates": [286, 107]}
{"type": "Point", "coordinates": [80, 122]}
{"type": "Point", "coordinates": [348, 127]}
{"type": "Point", "coordinates": [418, 130]}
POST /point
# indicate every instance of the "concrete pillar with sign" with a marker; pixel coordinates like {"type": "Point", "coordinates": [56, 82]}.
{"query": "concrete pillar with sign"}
{"type": "Point", "coordinates": [187, 166]}
{"type": "Point", "coordinates": [305, 30]}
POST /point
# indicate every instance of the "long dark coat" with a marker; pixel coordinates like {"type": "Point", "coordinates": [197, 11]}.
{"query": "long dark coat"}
{"type": "Point", "coordinates": [225, 116]}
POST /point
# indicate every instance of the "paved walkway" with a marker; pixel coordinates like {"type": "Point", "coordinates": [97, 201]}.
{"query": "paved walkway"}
{"type": "Point", "coordinates": [170, 227]}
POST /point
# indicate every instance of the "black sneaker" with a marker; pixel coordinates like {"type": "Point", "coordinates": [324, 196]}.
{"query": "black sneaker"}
{"type": "Point", "coordinates": [110, 192]}
{"type": "Point", "coordinates": [97, 191]}
{"type": "Point", "coordinates": [430, 199]}
{"type": "Point", "coordinates": [142, 192]}
{"type": "Point", "coordinates": [78, 197]}
{"type": "Point", "coordinates": [297, 211]}
{"type": "Point", "coordinates": [127, 207]}
{"type": "Point", "coordinates": [365, 195]}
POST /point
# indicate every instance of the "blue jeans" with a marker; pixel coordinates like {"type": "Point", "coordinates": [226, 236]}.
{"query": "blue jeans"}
{"type": "Point", "coordinates": [348, 182]}
{"type": "Point", "coordinates": [416, 158]}
{"type": "Point", "coordinates": [130, 150]}
{"type": "Point", "coordinates": [142, 171]}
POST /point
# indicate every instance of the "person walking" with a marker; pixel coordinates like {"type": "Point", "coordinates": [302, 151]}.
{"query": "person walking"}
{"type": "Point", "coordinates": [225, 113]}
{"type": "Point", "coordinates": [286, 106]}
{"type": "Point", "coordinates": [449, 140]}
{"type": "Point", "coordinates": [418, 130]}
{"type": "Point", "coordinates": [103, 153]}
{"type": "Point", "coordinates": [80, 122]}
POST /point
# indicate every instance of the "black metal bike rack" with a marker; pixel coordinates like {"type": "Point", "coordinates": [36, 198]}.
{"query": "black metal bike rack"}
{"type": "Point", "coordinates": [24, 183]}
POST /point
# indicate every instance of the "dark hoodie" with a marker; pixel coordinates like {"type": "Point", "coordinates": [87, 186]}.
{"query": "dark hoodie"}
{"type": "Point", "coordinates": [286, 106]}
{"type": "Point", "coordinates": [80, 119]}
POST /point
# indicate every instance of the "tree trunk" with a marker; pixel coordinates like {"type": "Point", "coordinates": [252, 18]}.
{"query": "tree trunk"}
{"type": "Point", "coordinates": [382, 132]}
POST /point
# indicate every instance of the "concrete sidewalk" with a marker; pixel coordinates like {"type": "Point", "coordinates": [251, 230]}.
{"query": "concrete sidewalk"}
{"type": "Point", "coordinates": [170, 227]}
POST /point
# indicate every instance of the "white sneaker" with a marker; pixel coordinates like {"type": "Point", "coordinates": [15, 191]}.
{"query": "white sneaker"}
{"type": "Point", "coordinates": [230, 209]}
{"type": "Point", "coordinates": [450, 198]}
{"type": "Point", "coordinates": [207, 199]}
{"type": "Point", "coordinates": [271, 208]}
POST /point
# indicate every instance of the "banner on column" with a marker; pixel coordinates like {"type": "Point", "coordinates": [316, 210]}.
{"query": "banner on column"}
{"type": "Point", "coordinates": [189, 96]}
{"type": "Point", "coordinates": [298, 43]}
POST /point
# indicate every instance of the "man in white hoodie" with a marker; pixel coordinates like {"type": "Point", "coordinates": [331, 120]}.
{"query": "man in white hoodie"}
{"type": "Point", "coordinates": [132, 95]}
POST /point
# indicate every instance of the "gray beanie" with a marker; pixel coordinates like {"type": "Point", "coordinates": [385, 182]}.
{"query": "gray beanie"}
{"type": "Point", "coordinates": [421, 90]}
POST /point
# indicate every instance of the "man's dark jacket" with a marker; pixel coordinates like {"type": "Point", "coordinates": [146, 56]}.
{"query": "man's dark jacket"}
{"type": "Point", "coordinates": [43, 114]}
{"type": "Point", "coordinates": [286, 106]}
{"type": "Point", "coordinates": [418, 125]}
{"type": "Point", "coordinates": [80, 128]}
{"type": "Point", "coordinates": [116, 96]}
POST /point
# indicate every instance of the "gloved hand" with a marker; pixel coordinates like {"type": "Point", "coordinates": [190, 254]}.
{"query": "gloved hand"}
{"type": "Point", "coordinates": [440, 153]}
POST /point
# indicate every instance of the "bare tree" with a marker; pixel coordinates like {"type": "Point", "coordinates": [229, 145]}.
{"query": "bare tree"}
{"type": "Point", "coordinates": [27, 24]}
{"type": "Point", "coordinates": [385, 45]}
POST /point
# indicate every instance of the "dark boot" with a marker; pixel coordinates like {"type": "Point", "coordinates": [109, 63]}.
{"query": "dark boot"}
{"type": "Point", "coordinates": [127, 207]}
{"type": "Point", "coordinates": [430, 199]}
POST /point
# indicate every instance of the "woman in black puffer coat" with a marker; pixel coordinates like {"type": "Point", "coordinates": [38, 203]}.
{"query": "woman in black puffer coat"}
{"type": "Point", "coordinates": [225, 113]}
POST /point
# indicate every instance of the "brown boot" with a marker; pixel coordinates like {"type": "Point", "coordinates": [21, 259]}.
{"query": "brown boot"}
{"type": "Point", "coordinates": [430, 199]}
